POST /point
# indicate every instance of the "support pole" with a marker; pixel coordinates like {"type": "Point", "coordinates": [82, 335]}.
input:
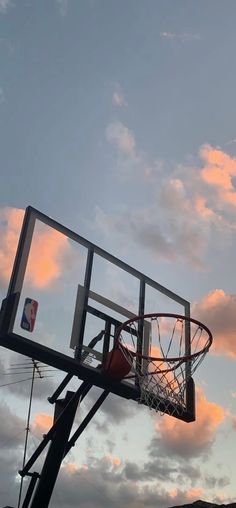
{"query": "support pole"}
{"type": "Point", "coordinates": [55, 454]}
{"type": "Point", "coordinates": [77, 397]}
{"type": "Point", "coordinates": [86, 421]}
{"type": "Point", "coordinates": [30, 490]}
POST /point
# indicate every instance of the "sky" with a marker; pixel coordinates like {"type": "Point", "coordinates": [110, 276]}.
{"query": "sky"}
{"type": "Point", "coordinates": [117, 120]}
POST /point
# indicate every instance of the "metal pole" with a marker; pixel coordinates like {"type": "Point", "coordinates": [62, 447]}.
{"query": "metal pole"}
{"type": "Point", "coordinates": [55, 454]}
{"type": "Point", "coordinates": [86, 421]}
{"type": "Point", "coordinates": [77, 396]}
{"type": "Point", "coordinates": [27, 431]}
{"type": "Point", "coordinates": [30, 490]}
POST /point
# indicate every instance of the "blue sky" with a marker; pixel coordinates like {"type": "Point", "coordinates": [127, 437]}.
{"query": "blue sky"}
{"type": "Point", "coordinates": [117, 119]}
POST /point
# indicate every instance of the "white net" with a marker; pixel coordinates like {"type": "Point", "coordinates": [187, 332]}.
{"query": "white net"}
{"type": "Point", "coordinates": [177, 347]}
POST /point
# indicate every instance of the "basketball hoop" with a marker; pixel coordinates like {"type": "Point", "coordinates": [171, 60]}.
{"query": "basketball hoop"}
{"type": "Point", "coordinates": [178, 344]}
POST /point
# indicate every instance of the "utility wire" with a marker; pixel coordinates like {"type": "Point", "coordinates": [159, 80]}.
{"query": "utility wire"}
{"type": "Point", "coordinates": [24, 372]}
{"type": "Point", "coordinates": [23, 380]}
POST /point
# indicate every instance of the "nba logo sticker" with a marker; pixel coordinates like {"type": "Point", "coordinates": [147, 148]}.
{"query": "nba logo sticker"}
{"type": "Point", "coordinates": [29, 314]}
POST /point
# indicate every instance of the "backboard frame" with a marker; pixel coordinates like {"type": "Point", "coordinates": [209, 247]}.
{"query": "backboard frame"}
{"type": "Point", "coordinates": [23, 345]}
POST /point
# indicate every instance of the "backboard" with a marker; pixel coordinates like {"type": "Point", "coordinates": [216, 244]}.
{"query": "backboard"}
{"type": "Point", "coordinates": [67, 297]}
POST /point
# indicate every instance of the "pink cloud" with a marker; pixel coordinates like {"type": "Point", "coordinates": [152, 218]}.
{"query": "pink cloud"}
{"type": "Point", "coordinates": [189, 210]}
{"type": "Point", "coordinates": [202, 209]}
{"type": "Point", "coordinates": [193, 494]}
{"type": "Point", "coordinates": [194, 438]}
{"type": "Point", "coordinates": [10, 224]}
{"type": "Point", "coordinates": [46, 259]}
{"type": "Point", "coordinates": [72, 468]}
{"type": "Point", "coordinates": [42, 422]}
{"type": "Point", "coordinates": [48, 253]}
{"type": "Point", "coordinates": [218, 171]}
{"type": "Point", "coordinates": [218, 311]}
{"type": "Point", "coordinates": [115, 461]}
{"type": "Point", "coordinates": [190, 495]}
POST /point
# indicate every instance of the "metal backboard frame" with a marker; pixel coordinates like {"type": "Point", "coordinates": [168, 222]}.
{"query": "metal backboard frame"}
{"type": "Point", "coordinates": [87, 302]}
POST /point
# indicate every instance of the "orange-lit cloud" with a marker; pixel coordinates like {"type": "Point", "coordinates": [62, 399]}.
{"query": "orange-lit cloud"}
{"type": "Point", "coordinates": [115, 461]}
{"type": "Point", "coordinates": [218, 311]}
{"type": "Point", "coordinates": [48, 253]}
{"type": "Point", "coordinates": [194, 494]}
{"type": "Point", "coordinates": [10, 225]}
{"type": "Point", "coordinates": [164, 380]}
{"type": "Point", "coordinates": [190, 495]}
{"type": "Point", "coordinates": [202, 209]}
{"type": "Point", "coordinates": [219, 171]}
{"type": "Point", "coordinates": [46, 259]}
{"type": "Point", "coordinates": [194, 438]}
{"type": "Point", "coordinates": [41, 424]}
{"type": "Point", "coordinates": [196, 204]}
{"type": "Point", "coordinates": [73, 468]}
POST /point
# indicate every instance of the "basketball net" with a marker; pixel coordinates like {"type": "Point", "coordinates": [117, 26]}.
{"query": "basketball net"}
{"type": "Point", "coordinates": [178, 346]}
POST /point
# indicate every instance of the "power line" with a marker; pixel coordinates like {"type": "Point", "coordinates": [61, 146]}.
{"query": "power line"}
{"type": "Point", "coordinates": [24, 372]}
{"type": "Point", "coordinates": [22, 381]}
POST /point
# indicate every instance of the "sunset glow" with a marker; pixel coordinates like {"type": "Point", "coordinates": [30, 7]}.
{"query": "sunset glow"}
{"type": "Point", "coordinates": [117, 128]}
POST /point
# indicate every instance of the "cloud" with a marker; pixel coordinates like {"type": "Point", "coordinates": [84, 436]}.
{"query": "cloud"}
{"type": "Point", "coordinates": [193, 494]}
{"type": "Point", "coordinates": [102, 484]}
{"type": "Point", "coordinates": [191, 208]}
{"type": "Point", "coordinates": [4, 5]}
{"type": "Point", "coordinates": [169, 228]}
{"type": "Point", "coordinates": [121, 137]}
{"type": "Point", "coordinates": [72, 467]}
{"type": "Point", "coordinates": [231, 142]}
{"type": "Point", "coordinates": [49, 252]}
{"type": "Point", "coordinates": [233, 420]}
{"type": "Point", "coordinates": [213, 482]}
{"type": "Point", "coordinates": [115, 461]}
{"type": "Point", "coordinates": [218, 172]}
{"type": "Point", "coordinates": [9, 466]}
{"type": "Point", "coordinates": [118, 99]}
{"type": "Point", "coordinates": [12, 437]}
{"type": "Point", "coordinates": [218, 311]}
{"type": "Point", "coordinates": [118, 410]}
{"type": "Point", "coordinates": [131, 162]}
{"type": "Point", "coordinates": [168, 35]}
{"type": "Point", "coordinates": [189, 440]}
{"type": "Point", "coordinates": [41, 424]}
{"type": "Point", "coordinates": [181, 36]}
{"type": "Point", "coordinates": [11, 429]}
{"type": "Point", "coordinates": [9, 373]}
{"type": "Point", "coordinates": [162, 469]}
{"type": "Point", "coordinates": [47, 257]}
{"type": "Point", "coordinates": [169, 470]}
{"type": "Point", "coordinates": [203, 210]}
{"type": "Point", "coordinates": [10, 224]}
